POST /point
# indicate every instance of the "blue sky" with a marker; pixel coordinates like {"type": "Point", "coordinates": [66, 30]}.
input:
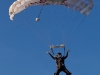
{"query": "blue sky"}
{"type": "Point", "coordinates": [24, 42]}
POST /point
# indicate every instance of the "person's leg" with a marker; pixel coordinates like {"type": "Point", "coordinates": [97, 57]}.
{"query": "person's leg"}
{"type": "Point", "coordinates": [57, 72]}
{"type": "Point", "coordinates": [66, 71]}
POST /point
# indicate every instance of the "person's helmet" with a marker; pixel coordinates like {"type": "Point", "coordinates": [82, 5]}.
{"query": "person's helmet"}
{"type": "Point", "coordinates": [59, 54]}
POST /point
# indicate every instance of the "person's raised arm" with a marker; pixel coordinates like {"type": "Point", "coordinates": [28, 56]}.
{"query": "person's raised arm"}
{"type": "Point", "coordinates": [51, 55]}
{"type": "Point", "coordinates": [66, 54]}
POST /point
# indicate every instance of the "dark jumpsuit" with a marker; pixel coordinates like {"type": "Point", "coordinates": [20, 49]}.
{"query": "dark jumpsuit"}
{"type": "Point", "coordinates": [60, 64]}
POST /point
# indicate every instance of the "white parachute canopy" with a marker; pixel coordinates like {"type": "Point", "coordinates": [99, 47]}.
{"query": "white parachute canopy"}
{"type": "Point", "coordinates": [19, 6]}
{"type": "Point", "coordinates": [82, 6]}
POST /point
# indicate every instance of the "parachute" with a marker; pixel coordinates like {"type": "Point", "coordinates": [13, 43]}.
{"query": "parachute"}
{"type": "Point", "coordinates": [82, 6]}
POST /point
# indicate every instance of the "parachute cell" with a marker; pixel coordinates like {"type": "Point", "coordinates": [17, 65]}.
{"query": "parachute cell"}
{"type": "Point", "coordinates": [82, 6]}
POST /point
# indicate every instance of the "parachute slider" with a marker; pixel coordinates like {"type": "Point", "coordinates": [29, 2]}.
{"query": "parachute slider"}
{"type": "Point", "coordinates": [57, 46]}
{"type": "Point", "coordinates": [37, 19]}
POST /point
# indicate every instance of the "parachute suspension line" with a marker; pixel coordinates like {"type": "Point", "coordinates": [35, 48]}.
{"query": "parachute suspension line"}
{"type": "Point", "coordinates": [37, 61]}
{"type": "Point", "coordinates": [77, 27]}
{"type": "Point", "coordinates": [48, 36]}
{"type": "Point", "coordinates": [70, 24]}
{"type": "Point", "coordinates": [46, 30]}
{"type": "Point", "coordinates": [64, 30]}
{"type": "Point", "coordinates": [33, 31]}
{"type": "Point", "coordinates": [36, 33]}
{"type": "Point", "coordinates": [49, 40]}
{"type": "Point", "coordinates": [60, 26]}
{"type": "Point", "coordinates": [66, 22]}
{"type": "Point", "coordinates": [18, 24]}
{"type": "Point", "coordinates": [79, 24]}
{"type": "Point", "coordinates": [63, 27]}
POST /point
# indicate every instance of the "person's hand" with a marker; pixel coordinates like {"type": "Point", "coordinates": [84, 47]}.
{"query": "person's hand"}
{"type": "Point", "coordinates": [48, 52]}
{"type": "Point", "coordinates": [67, 50]}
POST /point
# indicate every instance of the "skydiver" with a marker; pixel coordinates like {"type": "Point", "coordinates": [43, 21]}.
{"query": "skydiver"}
{"type": "Point", "coordinates": [60, 63]}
